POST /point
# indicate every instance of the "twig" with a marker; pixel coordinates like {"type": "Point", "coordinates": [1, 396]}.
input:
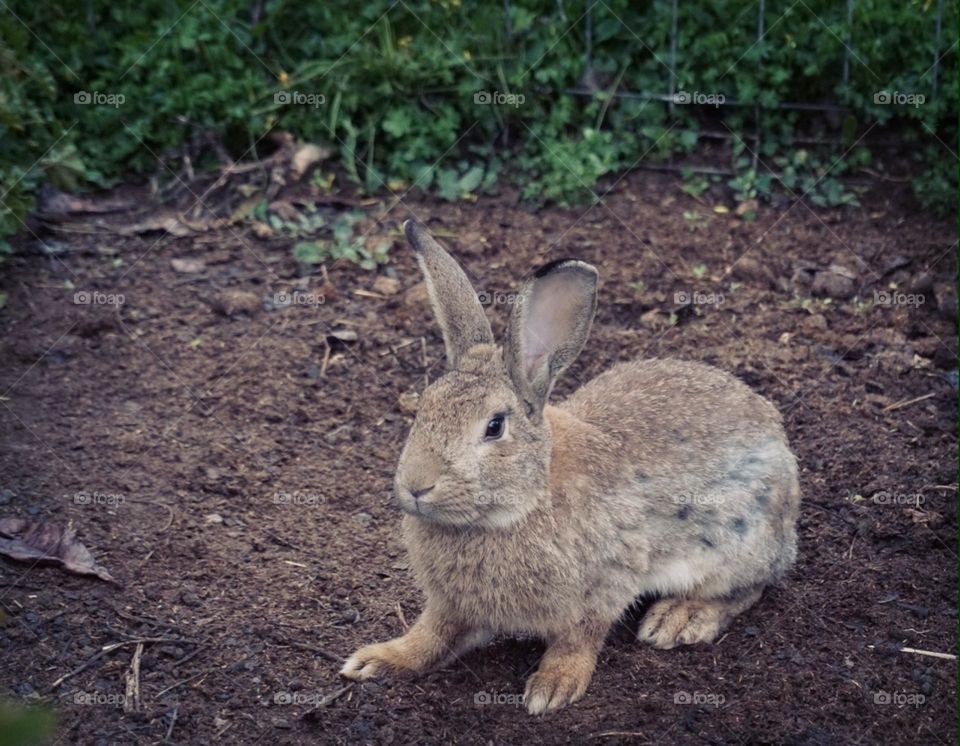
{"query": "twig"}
{"type": "Point", "coordinates": [328, 700]}
{"type": "Point", "coordinates": [314, 649]}
{"type": "Point", "coordinates": [131, 702]}
{"type": "Point", "coordinates": [907, 402]}
{"type": "Point", "coordinates": [170, 688]}
{"type": "Point", "coordinates": [173, 721]}
{"type": "Point", "coordinates": [403, 619]}
{"type": "Point", "coordinates": [930, 653]}
{"type": "Point", "coordinates": [326, 358]}
{"type": "Point", "coordinates": [107, 649]}
{"type": "Point", "coordinates": [618, 734]}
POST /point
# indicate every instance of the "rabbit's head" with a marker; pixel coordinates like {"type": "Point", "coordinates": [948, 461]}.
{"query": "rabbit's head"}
{"type": "Point", "coordinates": [478, 453]}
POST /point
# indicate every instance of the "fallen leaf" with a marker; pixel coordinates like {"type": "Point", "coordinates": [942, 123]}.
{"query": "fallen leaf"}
{"type": "Point", "coordinates": [261, 230]}
{"type": "Point", "coordinates": [38, 541]}
{"type": "Point", "coordinates": [386, 285]}
{"type": "Point", "coordinates": [167, 223]}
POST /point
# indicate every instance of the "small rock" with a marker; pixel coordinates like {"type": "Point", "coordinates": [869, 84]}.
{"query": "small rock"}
{"type": "Point", "coordinates": [261, 230]}
{"type": "Point", "coordinates": [343, 336]}
{"type": "Point", "coordinates": [6, 496]}
{"type": "Point", "coordinates": [946, 301]}
{"type": "Point", "coordinates": [652, 319]}
{"type": "Point", "coordinates": [188, 266]}
{"type": "Point", "coordinates": [409, 401]}
{"type": "Point", "coordinates": [817, 321]}
{"type": "Point", "coordinates": [282, 724]}
{"type": "Point", "coordinates": [386, 285]}
{"type": "Point", "coordinates": [363, 518]}
{"type": "Point", "coordinates": [834, 282]}
{"type": "Point", "coordinates": [189, 598]}
{"type": "Point", "coordinates": [922, 283]}
{"type": "Point", "coordinates": [213, 519]}
{"type": "Point", "coordinates": [232, 302]}
{"type": "Point", "coordinates": [350, 615]}
{"type": "Point", "coordinates": [749, 268]}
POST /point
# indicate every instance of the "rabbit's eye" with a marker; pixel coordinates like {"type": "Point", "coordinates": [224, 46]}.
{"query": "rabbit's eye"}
{"type": "Point", "coordinates": [494, 428]}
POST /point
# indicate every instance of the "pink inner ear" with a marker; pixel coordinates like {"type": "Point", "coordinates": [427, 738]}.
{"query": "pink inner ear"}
{"type": "Point", "coordinates": [549, 320]}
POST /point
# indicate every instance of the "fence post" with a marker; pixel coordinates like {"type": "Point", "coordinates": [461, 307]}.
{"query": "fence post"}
{"type": "Point", "coordinates": [848, 40]}
{"type": "Point", "coordinates": [673, 55]}
{"type": "Point", "coordinates": [936, 51]}
{"type": "Point", "coordinates": [756, 107]}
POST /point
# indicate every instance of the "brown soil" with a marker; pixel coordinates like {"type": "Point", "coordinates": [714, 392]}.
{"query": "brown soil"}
{"type": "Point", "coordinates": [187, 405]}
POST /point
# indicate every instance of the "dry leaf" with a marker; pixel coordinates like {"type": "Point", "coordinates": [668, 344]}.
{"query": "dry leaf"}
{"type": "Point", "coordinates": [38, 541]}
{"type": "Point", "coordinates": [306, 156]}
{"type": "Point", "coordinates": [386, 285]}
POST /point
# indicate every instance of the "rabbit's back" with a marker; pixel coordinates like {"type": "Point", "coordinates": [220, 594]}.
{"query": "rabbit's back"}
{"type": "Point", "coordinates": [705, 473]}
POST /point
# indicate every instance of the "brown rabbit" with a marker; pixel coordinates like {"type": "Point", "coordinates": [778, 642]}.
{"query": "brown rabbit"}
{"type": "Point", "coordinates": [657, 477]}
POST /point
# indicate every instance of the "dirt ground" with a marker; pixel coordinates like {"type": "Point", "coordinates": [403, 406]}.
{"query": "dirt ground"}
{"type": "Point", "coordinates": [236, 461]}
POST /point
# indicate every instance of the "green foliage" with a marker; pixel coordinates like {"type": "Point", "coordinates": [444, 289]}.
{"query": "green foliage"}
{"type": "Point", "coordinates": [345, 242]}
{"type": "Point", "coordinates": [20, 726]}
{"type": "Point", "coordinates": [439, 95]}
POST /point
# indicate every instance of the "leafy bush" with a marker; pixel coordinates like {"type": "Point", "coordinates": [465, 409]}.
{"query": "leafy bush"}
{"type": "Point", "coordinates": [454, 98]}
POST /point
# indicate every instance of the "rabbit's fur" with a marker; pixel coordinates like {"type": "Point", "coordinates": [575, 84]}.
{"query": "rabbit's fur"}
{"type": "Point", "coordinates": [657, 477]}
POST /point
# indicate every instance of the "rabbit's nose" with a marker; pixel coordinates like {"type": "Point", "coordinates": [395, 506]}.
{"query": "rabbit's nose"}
{"type": "Point", "coordinates": [418, 493]}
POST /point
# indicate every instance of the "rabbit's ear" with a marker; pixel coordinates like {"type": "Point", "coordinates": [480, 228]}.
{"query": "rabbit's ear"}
{"type": "Point", "coordinates": [453, 299]}
{"type": "Point", "coordinates": [548, 328]}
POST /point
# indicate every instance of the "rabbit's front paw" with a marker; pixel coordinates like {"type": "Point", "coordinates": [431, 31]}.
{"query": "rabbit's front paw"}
{"type": "Point", "coordinates": [557, 683]}
{"type": "Point", "coordinates": [372, 660]}
{"type": "Point", "coordinates": [681, 621]}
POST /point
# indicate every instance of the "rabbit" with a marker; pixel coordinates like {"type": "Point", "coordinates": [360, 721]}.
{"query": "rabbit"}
{"type": "Point", "coordinates": [656, 478]}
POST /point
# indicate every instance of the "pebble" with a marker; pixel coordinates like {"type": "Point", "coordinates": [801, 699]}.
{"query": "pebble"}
{"type": "Point", "coordinates": [836, 281]}
{"type": "Point", "coordinates": [233, 302]}
{"type": "Point", "coordinates": [363, 518]}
